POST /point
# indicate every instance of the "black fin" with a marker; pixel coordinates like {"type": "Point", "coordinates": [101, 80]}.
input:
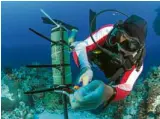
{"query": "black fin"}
{"type": "Point", "coordinates": [92, 14]}
{"type": "Point", "coordinates": [48, 21]}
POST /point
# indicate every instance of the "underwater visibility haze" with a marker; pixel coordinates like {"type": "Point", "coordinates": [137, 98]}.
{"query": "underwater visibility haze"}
{"type": "Point", "coordinates": [21, 47]}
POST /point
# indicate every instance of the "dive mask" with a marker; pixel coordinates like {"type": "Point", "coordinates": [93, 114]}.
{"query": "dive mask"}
{"type": "Point", "coordinates": [131, 43]}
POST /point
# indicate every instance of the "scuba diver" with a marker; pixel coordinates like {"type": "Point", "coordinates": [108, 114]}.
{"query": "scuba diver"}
{"type": "Point", "coordinates": [125, 42]}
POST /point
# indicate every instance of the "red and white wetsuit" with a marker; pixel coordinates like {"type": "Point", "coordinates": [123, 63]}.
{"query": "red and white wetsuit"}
{"type": "Point", "coordinates": [80, 57]}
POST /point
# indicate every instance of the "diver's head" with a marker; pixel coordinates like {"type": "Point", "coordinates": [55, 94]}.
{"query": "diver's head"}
{"type": "Point", "coordinates": [136, 26]}
{"type": "Point", "coordinates": [132, 32]}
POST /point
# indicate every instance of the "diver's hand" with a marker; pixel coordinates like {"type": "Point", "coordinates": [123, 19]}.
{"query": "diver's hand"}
{"type": "Point", "coordinates": [86, 75]}
{"type": "Point", "coordinates": [91, 96]}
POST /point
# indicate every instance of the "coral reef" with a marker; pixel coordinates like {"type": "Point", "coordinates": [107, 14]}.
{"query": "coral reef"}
{"type": "Point", "coordinates": [17, 81]}
{"type": "Point", "coordinates": [21, 112]}
{"type": "Point", "coordinates": [142, 103]}
{"type": "Point", "coordinates": [152, 101]}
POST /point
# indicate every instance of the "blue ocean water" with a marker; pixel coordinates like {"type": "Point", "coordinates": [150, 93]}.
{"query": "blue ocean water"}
{"type": "Point", "coordinates": [20, 46]}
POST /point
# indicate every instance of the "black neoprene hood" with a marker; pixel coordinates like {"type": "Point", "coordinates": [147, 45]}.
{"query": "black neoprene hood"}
{"type": "Point", "coordinates": [136, 26]}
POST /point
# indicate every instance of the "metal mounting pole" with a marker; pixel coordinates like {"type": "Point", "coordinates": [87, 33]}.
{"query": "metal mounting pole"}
{"type": "Point", "coordinates": [63, 75]}
{"type": "Point", "coordinates": [60, 60]}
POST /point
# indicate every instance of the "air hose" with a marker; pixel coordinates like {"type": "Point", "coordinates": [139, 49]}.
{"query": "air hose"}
{"type": "Point", "coordinates": [113, 55]}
